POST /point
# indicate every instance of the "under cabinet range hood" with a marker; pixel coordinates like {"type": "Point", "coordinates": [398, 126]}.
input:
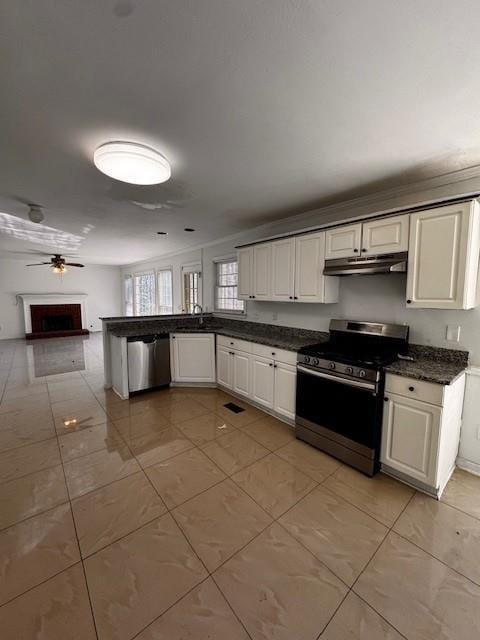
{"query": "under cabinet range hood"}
{"type": "Point", "coordinates": [367, 265]}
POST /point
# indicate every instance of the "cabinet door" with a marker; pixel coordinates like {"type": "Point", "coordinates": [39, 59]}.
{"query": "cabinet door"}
{"type": "Point", "coordinates": [262, 271]}
{"type": "Point", "coordinates": [443, 257]}
{"type": "Point", "coordinates": [310, 283]}
{"type": "Point", "coordinates": [285, 389]}
{"type": "Point", "coordinates": [193, 357]}
{"type": "Point", "coordinates": [389, 235]}
{"type": "Point", "coordinates": [283, 267]}
{"type": "Point", "coordinates": [262, 381]}
{"type": "Point", "coordinates": [410, 437]}
{"type": "Point", "coordinates": [343, 242]}
{"type": "Point", "coordinates": [224, 367]}
{"type": "Point", "coordinates": [245, 273]}
{"type": "Point", "coordinates": [241, 373]}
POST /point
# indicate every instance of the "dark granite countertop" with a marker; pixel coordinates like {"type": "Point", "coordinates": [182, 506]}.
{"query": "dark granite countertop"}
{"type": "Point", "coordinates": [432, 364]}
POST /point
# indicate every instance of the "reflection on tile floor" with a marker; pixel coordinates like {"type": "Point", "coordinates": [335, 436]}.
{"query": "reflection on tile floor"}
{"type": "Point", "coordinates": [167, 516]}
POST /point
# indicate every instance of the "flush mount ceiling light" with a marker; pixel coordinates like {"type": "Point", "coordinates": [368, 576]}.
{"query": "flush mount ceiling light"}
{"type": "Point", "coordinates": [131, 162]}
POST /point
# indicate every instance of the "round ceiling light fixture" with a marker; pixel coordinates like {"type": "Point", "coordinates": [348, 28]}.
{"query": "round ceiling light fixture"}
{"type": "Point", "coordinates": [132, 162]}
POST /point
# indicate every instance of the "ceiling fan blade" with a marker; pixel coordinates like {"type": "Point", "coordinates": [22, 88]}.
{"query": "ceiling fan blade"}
{"type": "Point", "coordinates": [74, 264]}
{"type": "Point", "coordinates": [37, 264]}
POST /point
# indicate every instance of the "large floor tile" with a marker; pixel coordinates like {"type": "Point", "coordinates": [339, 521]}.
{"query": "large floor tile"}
{"type": "Point", "coordinates": [234, 451]}
{"type": "Point", "coordinates": [74, 414]}
{"type": "Point", "coordinates": [311, 461]}
{"type": "Point", "coordinates": [98, 469]}
{"type": "Point", "coordinates": [355, 620]}
{"type": "Point", "coordinates": [107, 514]}
{"type": "Point", "coordinates": [33, 402]}
{"type": "Point", "coordinates": [205, 428]}
{"type": "Point", "coordinates": [148, 422]}
{"type": "Point", "coordinates": [136, 579]}
{"type": "Point", "coordinates": [203, 614]}
{"type": "Point", "coordinates": [184, 476]}
{"type": "Point", "coordinates": [220, 521]}
{"type": "Point", "coordinates": [80, 443]}
{"type": "Point", "coordinates": [26, 429]}
{"type": "Point", "coordinates": [418, 595]}
{"type": "Point", "coordinates": [463, 492]}
{"type": "Point", "coordinates": [55, 610]}
{"type": "Point", "coordinates": [117, 409]}
{"type": "Point", "coordinates": [337, 533]}
{"type": "Point", "coordinates": [35, 550]}
{"type": "Point", "coordinates": [19, 392]}
{"type": "Point", "coordinates": [239, 420]}
{"type": "Point", "coordinates": [381, 496]}
{"type": "Point", "coordinates": [186, 409]}
{"type": "Point", "coordinates": [447, 533]}
{"type": "Point", "coordinates": [274, 484]}
{"type": "Point", "coordinates": [278, 589]}
{"type": "Point", "coordinates": [157, 447]}
{"type": "Point", "coordinates": [212, 399]}
{"type": "Point", "coordinates": [68, 392]}
{"type": "Point", "coordinates": [270, 432]}
{"type": "Point", "coordinates": [21, 461]}
{"type": "Point", "coordinates": [32, 494]}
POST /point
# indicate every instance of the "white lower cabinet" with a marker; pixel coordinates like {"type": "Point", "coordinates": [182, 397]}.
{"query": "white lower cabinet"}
{"type": "Point", "coordinates": [262, 381]}
{"type": "Point", "coordinates": [285, 389]}
{"type": "Point", "coordinates": [224, 367]}
{"type": "Point", "coordinates": [193, 357]}
{"type": "Point", "coordinates": [241, 373]}
{"type": "Point", "coordinates": [421, 431]}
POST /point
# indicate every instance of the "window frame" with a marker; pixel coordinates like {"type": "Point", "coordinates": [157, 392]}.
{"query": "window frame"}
{"type": "Point", "coordinates": [157, 290]}
{"type": "Point", "coordinates": [139, 274]}
{"type": "Point", "coordinates": [129, 276]}
{"type": "Point", "coordinates": [217, 286]}
{"type": "Point", "coordinates": [186, 269]}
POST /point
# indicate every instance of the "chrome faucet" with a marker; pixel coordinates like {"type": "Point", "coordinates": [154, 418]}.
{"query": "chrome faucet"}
{"type": "Point", "coordinates": [201, 312]}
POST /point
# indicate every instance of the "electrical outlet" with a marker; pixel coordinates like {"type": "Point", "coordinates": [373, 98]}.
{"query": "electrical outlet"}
{"type": "Point", "coordinates": [453, 333]}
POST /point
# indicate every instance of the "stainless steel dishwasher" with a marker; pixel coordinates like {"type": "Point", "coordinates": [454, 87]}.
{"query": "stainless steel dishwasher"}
{"type": "Point", "coordinates": [148, 362]}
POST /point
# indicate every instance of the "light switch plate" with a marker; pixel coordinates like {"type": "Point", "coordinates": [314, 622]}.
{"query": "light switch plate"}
{"type": "Point", "coordinates": [453, 333]}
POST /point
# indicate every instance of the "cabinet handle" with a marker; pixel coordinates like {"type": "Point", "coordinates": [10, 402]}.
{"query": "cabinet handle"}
{"type": "Point", "coordinates": [173, 337]}
{"type": "Point", "coordinates": [409, 302]}
{"type": "Point", "coordinates": [385, 399]}
{"type": "Point", "coordinates": [355, 251]}
{"type": "Point", "coordinates": [295, 297]}
{"type": "Point", "coordinates": [274, 366]}
{"type": "Point", "coordinates": [273, 353]}
{"type": "Point", "coordinates": [364, 250]}
{"type": "Point", "coordinates": [411, 388]}
{"type": "Point", "coordinates": [270, 364]}
{"type": "Point", "coordinates": [290, 297]}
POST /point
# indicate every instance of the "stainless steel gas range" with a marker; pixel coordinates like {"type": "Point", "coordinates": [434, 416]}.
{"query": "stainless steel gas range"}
{"type": "Point", "coordinates": [340, 387]}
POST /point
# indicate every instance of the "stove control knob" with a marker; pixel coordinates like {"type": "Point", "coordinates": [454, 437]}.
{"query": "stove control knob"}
{"type": "Point", "coordinates": [315, 362]}
{"type": "Point", "coordinates": [362, 373]}
{"type": "Point", "coordinates": [332, 365]}
{"type": "Point", "coordinates": [307, 359]}
{"type": "Point", "coordinates": [349, 370]}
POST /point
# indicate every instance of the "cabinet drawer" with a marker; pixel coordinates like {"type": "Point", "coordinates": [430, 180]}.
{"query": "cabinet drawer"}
{"type": "Point", "coordinates": [418, 389]}
{"type": "Point", "coordinates": [281, 355]}
{"type": "Point", "coordinates": [234, 343]}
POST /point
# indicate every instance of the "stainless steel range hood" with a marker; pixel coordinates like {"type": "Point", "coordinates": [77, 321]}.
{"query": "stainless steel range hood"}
{"type": "Point", "coordinates": [362, 266]}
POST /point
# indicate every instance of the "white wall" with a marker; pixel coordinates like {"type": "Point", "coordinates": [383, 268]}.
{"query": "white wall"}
{"type": "Point", "coordinates": [100, 283]}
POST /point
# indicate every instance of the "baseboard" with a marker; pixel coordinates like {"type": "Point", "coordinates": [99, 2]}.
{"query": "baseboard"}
{"type": "Point", "coordinates": [468, 465]}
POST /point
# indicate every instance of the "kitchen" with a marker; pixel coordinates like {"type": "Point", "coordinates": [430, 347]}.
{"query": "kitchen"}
{"type": "Point", "coordinates": [240, 321]}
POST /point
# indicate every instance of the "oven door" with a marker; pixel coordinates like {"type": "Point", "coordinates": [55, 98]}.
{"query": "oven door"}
{"type": "Point", "coordinates": [344, 410]}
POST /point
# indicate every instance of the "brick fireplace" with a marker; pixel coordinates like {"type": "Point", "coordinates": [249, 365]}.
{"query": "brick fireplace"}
{"type": "Point", "coordinates": [54, 315]}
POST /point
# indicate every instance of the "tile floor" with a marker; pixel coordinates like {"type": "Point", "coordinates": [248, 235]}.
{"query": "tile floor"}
{"type": "Point", "coordinates": [169, 517]}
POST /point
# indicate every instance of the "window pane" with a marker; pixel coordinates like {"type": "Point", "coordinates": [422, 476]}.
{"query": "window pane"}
{"type": "Point", "coordinates": [226, 289]}
{"type": "Point", "coordinates": [165, 293]}
{"type": "Point", "coordinates": [128, 295]}
{"type": "Point", "coordinates": [190, 290]}
{"type": "Point", "coordinates": [145, 294]}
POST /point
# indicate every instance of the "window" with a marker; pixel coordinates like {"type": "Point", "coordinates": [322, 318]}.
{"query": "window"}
{"type": "Point", "coordinates": [191, 290]}
{"type": "Point", "coordinates": [145, 294]}
{"type": "Point", "coordinates": [128, 295]}
{"type": "Point", "coordinates": [164, 291]}
{"type": "Point", "coordinates": [226, 287]}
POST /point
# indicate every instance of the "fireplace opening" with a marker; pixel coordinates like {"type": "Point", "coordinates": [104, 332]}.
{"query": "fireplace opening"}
{"type": "Point", "coordinates": [57, 323]}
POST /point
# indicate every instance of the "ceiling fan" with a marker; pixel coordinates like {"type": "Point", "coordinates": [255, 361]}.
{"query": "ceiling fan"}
{"type": "Point", "coordinates": [57, 263]}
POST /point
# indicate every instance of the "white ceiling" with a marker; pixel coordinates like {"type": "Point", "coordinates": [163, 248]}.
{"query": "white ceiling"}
{"type": "Point", "coordinates": [265, 108]}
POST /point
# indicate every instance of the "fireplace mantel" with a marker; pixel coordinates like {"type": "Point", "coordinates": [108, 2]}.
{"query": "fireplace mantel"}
{"type": "Point", "coordinates": [51, 298]}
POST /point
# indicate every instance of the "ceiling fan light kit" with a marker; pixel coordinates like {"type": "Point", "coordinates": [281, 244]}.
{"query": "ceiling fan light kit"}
{"type": "Point", "coordinates": [132, 162]}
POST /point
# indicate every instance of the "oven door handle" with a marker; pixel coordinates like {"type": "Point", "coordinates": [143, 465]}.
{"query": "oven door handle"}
{"type": "Point", "coordinates": [329, 376]}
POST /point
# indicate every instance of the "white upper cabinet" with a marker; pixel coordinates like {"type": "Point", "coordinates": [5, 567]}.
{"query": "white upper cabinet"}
{"type": "Point", "coordinates": [245, 273]}
{"type": "Point", "coordinates": [389, 235]}
{"type": "Point", "coordinates": [310, 283]}
{"type": "Point", "coordinates": [343, 242]}
{"type": "Point", "coordinates": [262, 271]}
{"type": "Point", "coordinates": [443, 257]}
{"type": "Point", "coordinates": [283, 266]}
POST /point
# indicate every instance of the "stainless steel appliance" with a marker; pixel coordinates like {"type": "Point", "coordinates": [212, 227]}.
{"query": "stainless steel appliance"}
{"type": "Point", "coordinates": [367, 265]}
{"type": "Point", "coordinates": [148, 362]}
{"type": "Point", "coordinates": [340, 390]}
